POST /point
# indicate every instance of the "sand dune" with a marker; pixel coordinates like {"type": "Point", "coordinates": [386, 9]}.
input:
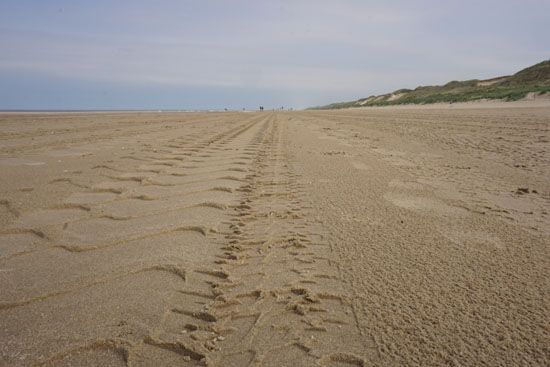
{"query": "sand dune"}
{"type": "Point", "coordinates": [326, 238]}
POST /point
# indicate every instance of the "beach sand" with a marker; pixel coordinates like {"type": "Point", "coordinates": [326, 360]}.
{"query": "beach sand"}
{"type": "Point", "coordinates": [383, 237]}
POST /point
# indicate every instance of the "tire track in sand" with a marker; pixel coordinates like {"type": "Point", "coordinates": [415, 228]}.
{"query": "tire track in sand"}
{"type": "Point", "coordinates": [113, 266]}
{"type": "Point", "coordinates": [217, 260]}
{"type": "Point", "coordinates": [273, 296]}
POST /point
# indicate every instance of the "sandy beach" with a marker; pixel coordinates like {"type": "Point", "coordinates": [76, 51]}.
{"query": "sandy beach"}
{"type": "Point", "coordinates": [360, 237]}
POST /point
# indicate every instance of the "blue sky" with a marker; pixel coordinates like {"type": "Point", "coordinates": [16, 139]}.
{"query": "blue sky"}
{"type": "Point", "coordinates": [214, 54]}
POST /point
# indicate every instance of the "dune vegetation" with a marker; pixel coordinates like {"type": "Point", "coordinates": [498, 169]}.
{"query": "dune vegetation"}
{"type": "Point", "coordinates": [534, 79]}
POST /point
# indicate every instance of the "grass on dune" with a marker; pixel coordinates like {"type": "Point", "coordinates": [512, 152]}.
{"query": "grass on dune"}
{"type": "Point", "coordinates": [510, 88]}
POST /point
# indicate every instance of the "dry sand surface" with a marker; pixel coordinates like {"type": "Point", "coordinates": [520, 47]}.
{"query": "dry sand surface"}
{"type": "Point", "coordinates": [383, 237]}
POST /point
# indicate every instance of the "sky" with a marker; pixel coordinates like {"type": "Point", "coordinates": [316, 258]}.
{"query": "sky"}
{"type": "Point", "coordinates": [214, 54]}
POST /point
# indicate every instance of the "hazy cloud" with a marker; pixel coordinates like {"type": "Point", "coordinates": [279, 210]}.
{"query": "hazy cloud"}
{"type": "Point", "coordinates": [312, 51]}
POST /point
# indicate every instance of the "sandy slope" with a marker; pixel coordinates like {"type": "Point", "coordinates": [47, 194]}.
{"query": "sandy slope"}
{"type": "Point", "coordinates": [364, 237]}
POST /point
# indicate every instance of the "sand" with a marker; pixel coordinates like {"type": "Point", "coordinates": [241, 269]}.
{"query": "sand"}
{"type": "Point", "coordinates": [384, 236]}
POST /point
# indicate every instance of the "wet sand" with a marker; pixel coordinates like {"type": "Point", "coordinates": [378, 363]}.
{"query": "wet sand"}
{"type": "Point", "coordinates": [387, 236]}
